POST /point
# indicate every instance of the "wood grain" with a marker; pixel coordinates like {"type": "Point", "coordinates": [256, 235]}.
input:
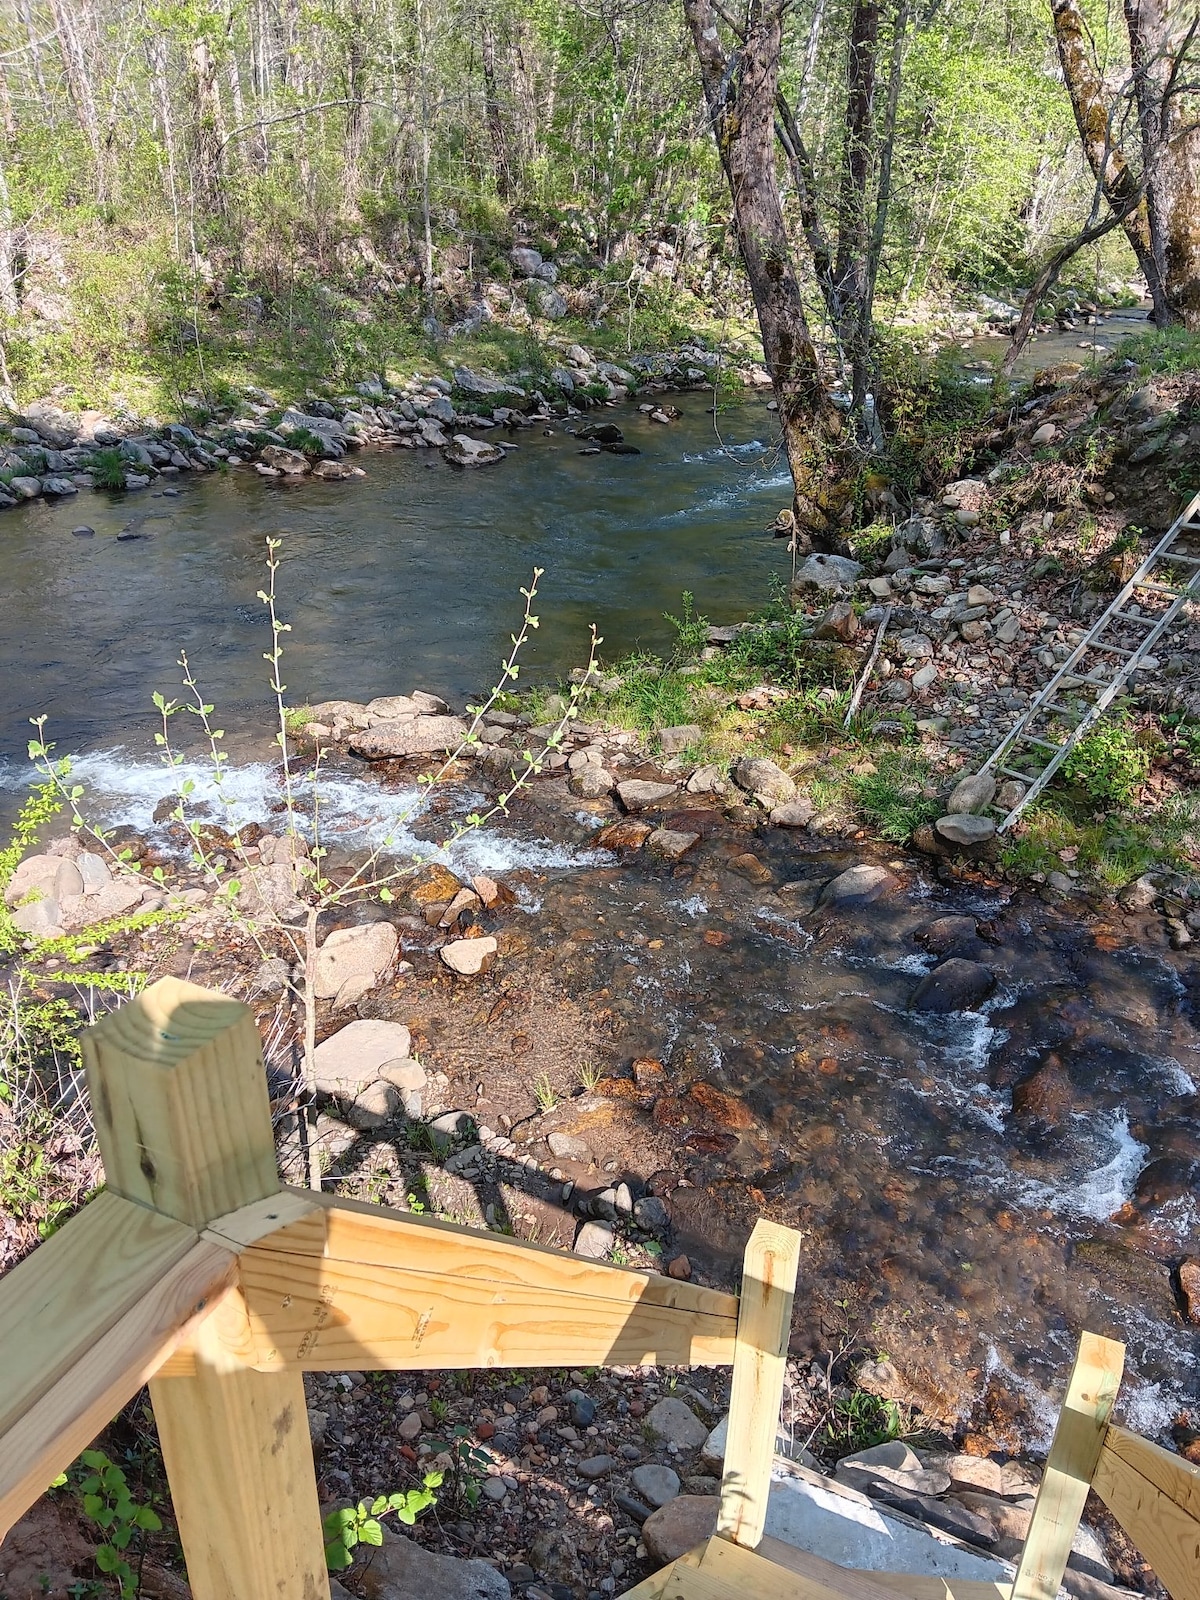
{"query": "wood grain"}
{"type": "Point", "coordinates": [759, 1367]}
{"type": "Point", "coordinates": [179, 1098]}
{"type": "Point", "coordinates": [1155, 1496]}
{"type": "Point", "coordinates": [1082, 1423]}
{"type": "Point", "coordinates": [357, 1286]}
{"type": "Point", "coordinates": [67, 1415]}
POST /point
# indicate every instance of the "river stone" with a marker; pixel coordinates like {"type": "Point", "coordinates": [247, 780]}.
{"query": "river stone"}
{"type": "Point", "coordinates": [25, 488]}
{"type": "Point", "coordinates": [68, 881]}
{"type": "Point", "coordinates": [1189, 1286]}
{"type": "Point", "coordinates": [793, 814]}
{"type": "Point", "coordinates": [35, 873]}
{"type": "Point", "coordinates": [116, 899]}
{"type": "Point", "coordinates": [468, 957]}
{"type": "Point", "coordinates": [972, 794]}
{"type": "Point", "coordinates": [525, 261]}
{"type": "Point", "coordinates": [354, 1057]}
{"type": "Point", "coordinates": [567, 1147]}
{"type": "Point", "coordinates": [712, 1455]}
{"type": "Point", "coordinates": [654, 1483]}
{"type": "Point", "coordinates": [672, 842]}
{"type": "Point", "coordinates": [291, 462]}
{"type": "Point", "coordinates": [856, 886]}
{"type": "Point", "coordinates": [39, 919]}
{"type": "Point", "coordinates": [94, 871]}
{"type": "Point", "coordinates": [709, 779]}
{"type": "Point", "coordinates": [384, 708]}
{"type": "Point", "coordinates": [59, 486]}
{"type": "Point", "coordinates": [944, 934]}
{"type": "Point", "coordinates": [675, 741]}
{"type": "Point", "coordinates": [377, 1105]}
{"type": "Point", "coordinates": [401, 1569]}
{"type": "Point", "coordinates": [1011, 1524]}
{"type": "Point", "coordinates": [955, 985]}
{"type": "Point", "coordinates": [624, 835]}
{"type": "Point", "coordinates": [429, 705]}
{"type": "Point", "coordinates": [1139, 895]}
{"type": "Point", "coordinates": [463, 451]}
{"type": "Point", "coordinates": [595, 1467]}
{"type": "Point", "coordinates": [766, 781]}
{"type": "Point", "coordinates": [838, 621]}
{"type": "Point", "coordinates": [679, 1526]}
{"type": "Point", "coordinates": [638, 794]}
{"type": "Point", "coordinates": [477, 383]}
{"type": "Point", "coordinates": [676, 1423]}
{"type": "Point", "coordinates": [963, 828]}
{"type": "Point", "coordinates": [916, 1480]}
{"type": "Point", "coordinates": [359, 953]}
{"type": "Point", "coordinates": [828, 572]}
{"type": "Point", "coordinates": [419, 736]}
{"type": "Point", "coordinates": [591, 782]}
{"type": "Point", "coordinates": [594, 1240]}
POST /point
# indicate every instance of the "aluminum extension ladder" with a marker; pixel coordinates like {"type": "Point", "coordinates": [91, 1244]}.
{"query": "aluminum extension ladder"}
{"type": "Point", "coordinates": [1107, 672]}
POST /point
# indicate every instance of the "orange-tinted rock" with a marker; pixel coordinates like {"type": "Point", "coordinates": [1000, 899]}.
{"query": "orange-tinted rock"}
{"type": "Point", "coordinates": [680, 1267]}
{"type": "Point", "coordinates": [1046, 1095]}
{"type": "Point", "coordinates": [624, 835]}
{"type": "Point", "coordinates": [724, 1109]}
{"type": "Point", "coordinates": [1189, 1284]}
{"type": "Point", "coordinates": [750, 867]}
{"type": "Point", "coordinates": [648, 1072]}
{"type": "Point", "coordinates": [679, 1526]}
{"type": "Point", "coordinates": [433, 884]}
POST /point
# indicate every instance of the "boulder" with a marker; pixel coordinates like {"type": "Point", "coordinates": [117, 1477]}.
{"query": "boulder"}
{"type": "Point", "coordinates": [288, 461]}
{"type": "Point", "coordinates": [387, 708]}
{"type": "Point", "coordinates": [401, 1569]}
{"type": "Point", "coordinates": [34, 875]}
{"type": "Point", "coordinates": [955, 985]}
{"type": "Point", "coordinates": [708, 780]}
{"type": "Point", "coordinates": [856, 886]}
{"type": "Point", "coordinates": [624, 835]}
{"type": "Point", "coordinates": [354, 953]}
{"type": "Point", "coordinates": [525, 261]}
{"type": "Point", "coordinates": [591, 782]}
{"type": "Point", "coordinates": [827, 572]}
{"type": "Point", "coordinates": [676, 1423]}
{"type": "Point", "coordinates": [793, 813]}
{"type": "Point", "coordinates": [638, 794]}
{"type": "Point", "coordinates": [965, 829]}
{"type": "Point", "coordinates": [679, 1526]}
{"type": "Point", "coordinates": [334, 471]}
{"type": "Point", "coordinates": [766, 781]}
{"type": "Point", "coordinates": [594, 1240]}
{"type": "Point", "coordinates": [463, 451]}
{"type": "Point", "coordinates": [673, 843]}
{"type": "Point", "coordinates": [478, 384]}
{"type": "Point", "coordinates": [838, 621]}
{"type": "Point", "coordinates": [354, 1057]}
{"type": "Point", "coordinates": [972, 793]}
{"type": "Point", "coordinates": [468, 957]}
{"type": "Point", "coordinates": [421, 736]}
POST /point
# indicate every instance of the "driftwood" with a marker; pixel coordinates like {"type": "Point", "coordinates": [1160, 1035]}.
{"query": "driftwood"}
{"type": "Point", "coordinates": [856, 697]}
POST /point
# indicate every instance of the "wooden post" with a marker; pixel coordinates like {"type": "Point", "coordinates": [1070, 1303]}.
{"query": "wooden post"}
{"type": "Point", "coordinates": [1078, 1439]}
{"type": "Point", "coordinates": [184, 1124]}
{"type": "Point", "coordinates": [759, 1366]}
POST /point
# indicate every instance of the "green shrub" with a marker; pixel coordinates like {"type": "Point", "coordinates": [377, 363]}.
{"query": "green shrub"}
{"type": "Point", "coordinates": [107, 466]}
{"type": "Point", "coordinates": [1109, 764]}
{"type": "Point", "coordinates": [891, 799]}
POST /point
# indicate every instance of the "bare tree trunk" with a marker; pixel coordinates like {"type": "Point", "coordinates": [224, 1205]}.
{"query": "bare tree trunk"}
{"type": "Point", "coordinates": [495, 116]}
{"type": "Point", "coordinates": [1107, 161]}
{"type": "Point", "coordinates": [79, 87]}
{"type": "Point", "coordinates": [9, 303]}
{"type": "Point", "coordinates": [850, 268]}
{"type": "Point", "coordinates": [208, 127]}
{"type": "Point", "coordinates": [740, 92]}
{"type": "Point", "coordinates": [1159, 41]}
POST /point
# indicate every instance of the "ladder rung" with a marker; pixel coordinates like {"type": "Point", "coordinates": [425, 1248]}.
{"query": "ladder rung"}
{"type": "Point", "coordinates": [1063, 711]}
{"type": "Point", "coordinates": [1155, 588]}
{"type": "Point", "coordinates": [1117, 650]}
{"type": "Point", "coordinates": [1072, 680]}
{"type": "Point", "coordinates": [1022, 777]}
{"type": "Point", "coordinates": [1128, 616]}
{"type": "Point", "coordinates": [1187, 561]}
{"type": "Point", "coordinates": [1044, 744]}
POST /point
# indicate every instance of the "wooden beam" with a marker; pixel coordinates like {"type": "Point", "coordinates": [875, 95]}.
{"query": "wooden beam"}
{"type": "Point", "coordinates": [1155, 1496]}
{"type": "Point", "coordinates": [63, 1417]}
{"type": "Point", "coordinates": [240, 1463]}
{"type": "Point", "coordinates": [1078, 1438]}
{"type": "Point", "coordinates": [856, 1585]}
{"type": "Point", "coordinates": [352, 1285]}
{"type": "Point", "coordinates": [179, 1098]}
{"type": "Point", "coordinates": [751, 1573]}
{"type": "Point", "coordinates": [759, 1367]}
{"type": "Point", "coordinates": [180, 1102]}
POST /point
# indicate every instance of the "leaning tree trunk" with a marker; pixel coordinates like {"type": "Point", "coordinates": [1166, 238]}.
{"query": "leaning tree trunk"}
{"type": "Point", "coordinates": [1160, 41]}
{"type": "Point", "coordinates": [854, 227]}
{"type": "Point", "coordinates": [741, 97]}
{"type": "Point", "coordinates": [1107, 161]}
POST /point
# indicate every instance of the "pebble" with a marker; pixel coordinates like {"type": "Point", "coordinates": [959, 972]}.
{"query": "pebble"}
{"type": "Point", "coordinates": [596, 1467]}
{"type": "Point", "coordinates": [676, 1423]}
{"type": "Point", "coordinates": [583, 1408]}
{"type": "Point", "coordinates": [655, 1484]}
{"type": "Point", "coordinates": [594, 1240]}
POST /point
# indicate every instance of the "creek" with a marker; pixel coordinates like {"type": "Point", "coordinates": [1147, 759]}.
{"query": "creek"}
{"type": "Point", "coordinates": [970, 1238]}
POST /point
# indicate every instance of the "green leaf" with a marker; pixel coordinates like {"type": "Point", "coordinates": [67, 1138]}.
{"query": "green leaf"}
{"type": "Point", "coordinates": [122, 1536]}
{"type": "Point", "coordinates": [148, 1519]}
{"type": "Point", "coordinates": [107, 1558]}
{"type": "Point", "coordinates": [337, 1557]}
{"type": "Point", "coordinates": [93, 1504]}
{"type": "Point", "coordinates": [371, 1532]}
{"type": "Point", "coordinates": [96, 1459]}
{"type": "Point", "coordinates": [379, 1505]}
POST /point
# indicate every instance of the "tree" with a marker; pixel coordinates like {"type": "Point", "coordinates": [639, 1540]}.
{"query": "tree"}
{"type": "Point", "coordinates": [1149, 173]}
{"type": "Point", "coordinates": [740, 91]}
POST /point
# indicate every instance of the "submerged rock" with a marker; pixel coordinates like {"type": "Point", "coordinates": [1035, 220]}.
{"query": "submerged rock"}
{"type": "Point", "coordinates": [856, 886]}
{"type": "Point", "coordinates": [955, 985]}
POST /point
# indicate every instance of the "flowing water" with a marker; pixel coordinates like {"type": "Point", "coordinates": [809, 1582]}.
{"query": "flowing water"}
{"type": "Point", "coordinates": [971, 1237]}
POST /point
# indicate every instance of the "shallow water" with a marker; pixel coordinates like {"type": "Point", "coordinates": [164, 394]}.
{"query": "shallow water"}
{"type": "Point", "coordinates": [408, 578]}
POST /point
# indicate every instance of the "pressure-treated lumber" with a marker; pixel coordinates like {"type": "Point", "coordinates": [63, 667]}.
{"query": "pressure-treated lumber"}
{"type": "Point", "coordinates": [753, 1574]}
{"type": "Point", "coordinates": [179, 1098]}
{"type": "Point", "coordinates": [1155, 1496]}
{"type": "Point", "coordinates": [240, 1465]}
{"type": "Point", "coordinates": [759, 1366]}
{"type": "Point", "coordinates": [855, 1585]}
{"type": "Point", "coordinates": [62, 1418]}
{"type": "Point", "coordinates": [180, 1102]}
{"type": "Point", "coordinates": [352, 1285]}
{"type": "Point", "coordinates": [1078, 1439]}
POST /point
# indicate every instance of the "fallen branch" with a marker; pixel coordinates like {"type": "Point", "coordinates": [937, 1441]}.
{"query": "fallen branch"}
{"type": "Point", "coordinates": [871, 660]}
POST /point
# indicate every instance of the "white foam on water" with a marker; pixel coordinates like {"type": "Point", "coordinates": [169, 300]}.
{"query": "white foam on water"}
{"type": "Point", "coordinates": [1103, 1189]}
{"type": "Point", "coordinates": [731, 494]}
{"type": "Point", "coordinates": [121, 789]}
{"type": "Point", "coordinates": [718, 452]}
{"type": "Point", "coordinates": [1180, 1081]}
{"type": "Point", "coordinates": [1043, 1408]}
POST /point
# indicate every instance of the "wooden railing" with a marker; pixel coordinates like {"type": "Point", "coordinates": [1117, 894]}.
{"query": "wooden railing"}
{"type": "Point", "coordinates": [198, 1272]}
